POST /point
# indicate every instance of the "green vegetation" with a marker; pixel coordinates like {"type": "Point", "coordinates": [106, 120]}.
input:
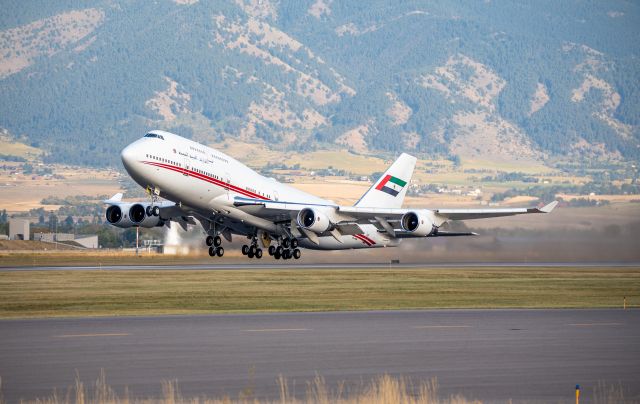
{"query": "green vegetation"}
{"type": "Point", "coordinates": [94, 92]}
{"type": "Point", "coordinates": [104, 293]}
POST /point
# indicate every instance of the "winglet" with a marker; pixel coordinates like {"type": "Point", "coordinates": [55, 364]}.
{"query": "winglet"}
{"type": "Point", "coordinates": [114, 199]}
{"type": "Point", "coordinates": [549, 207]}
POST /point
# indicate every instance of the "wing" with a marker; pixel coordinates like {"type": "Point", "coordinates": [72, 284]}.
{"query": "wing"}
{"type": "Point", "coordinates": [346, 219]}
{"type": "Point", "coordinates": [468, 214]}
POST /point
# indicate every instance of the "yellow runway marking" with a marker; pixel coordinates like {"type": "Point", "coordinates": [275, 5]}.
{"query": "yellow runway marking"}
{"type": "Point", "coordinates": [91, 335]}
{"type": "Point", "coordinates": [278, 329]}
{"type": "Point", "coordinates": [593, 324]}
{"type": "Point", "coordinates": [441, 326]}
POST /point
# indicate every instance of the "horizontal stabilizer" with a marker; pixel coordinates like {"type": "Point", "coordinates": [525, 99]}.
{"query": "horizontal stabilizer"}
{"type": "Point", "coordinates": [440, 233]}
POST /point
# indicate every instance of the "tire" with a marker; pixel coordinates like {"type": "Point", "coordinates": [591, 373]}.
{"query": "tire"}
{"type": "Point", "coordinates": [276, 255]}
{"type": "Point", "coordinates": [279, 250]}
{"type": "Point", "coordinates": [294, 243]}
{"type": "Point", "coordinates": [209, 241]}
{"type": "Point", "coordinates": [297, 254]}
{"type": "Point", "coordinates": [212, 252]}
{"type": "Point", "coordinates": [253, 249]}
{"type": "Point", "coordinates": [155, 211]}
{"type": "Point", "coordinates": [219, 251]}
{"type": "Point", "coordinates": [245, 249]}
{"type": "Point", "coordinates": [259, 253]}
{"type": "Point", "coordinates": [272, 250]}
{"type": "Point", "coordinates": [250, 254]}
{"type": "Point", "coordinates": [286, 255]}
{"type": "Point", "coordinates": [286, 242]}
{"type": "Point", "coordinates": [148, 211]}
{"type": "Point", "coordinates": [217, 241]}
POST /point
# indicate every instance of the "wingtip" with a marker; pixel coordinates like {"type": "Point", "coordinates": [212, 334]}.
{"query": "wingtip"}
{"type": "Point", "coordinates": [549, 207]}
{"type": "Point", "coordinates": [115, 198]}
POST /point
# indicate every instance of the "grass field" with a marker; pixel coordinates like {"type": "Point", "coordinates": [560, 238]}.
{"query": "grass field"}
{"type": "Point", "coordinates": [106, 293]}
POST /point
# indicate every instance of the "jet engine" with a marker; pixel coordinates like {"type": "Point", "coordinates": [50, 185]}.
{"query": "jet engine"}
{"type": "Point", "coordinates": [314, 220]}
{"type": "Point", "coordinates": [418, 223]}
{"type": "Point", "coordinates": [138, 215]}
{"type": "Point", "coordinates": [118, 215]}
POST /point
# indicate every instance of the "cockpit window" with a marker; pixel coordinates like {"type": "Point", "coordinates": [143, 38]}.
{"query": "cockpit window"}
{"type": "Point", "coordinates": [154, 135]}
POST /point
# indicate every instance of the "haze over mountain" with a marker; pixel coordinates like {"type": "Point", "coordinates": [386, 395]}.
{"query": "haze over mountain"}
{"type": "Point", "coordinates": [494, 79]}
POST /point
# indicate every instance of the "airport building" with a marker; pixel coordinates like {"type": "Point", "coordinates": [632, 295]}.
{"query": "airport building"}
{"type": "Point", "coordinates": [18, 229]}
{"type": "Point", "coordinates": [86, 241]}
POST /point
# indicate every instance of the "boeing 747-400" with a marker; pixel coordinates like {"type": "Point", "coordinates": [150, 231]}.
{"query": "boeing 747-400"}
{"type": "Point", "coordinates": [189, 182]}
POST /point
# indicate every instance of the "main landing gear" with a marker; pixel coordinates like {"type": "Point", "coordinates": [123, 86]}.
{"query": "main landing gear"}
{"type": "Point", "coordinates": [287, 249]}
{"type": "Point", "coordinates": [252, 251]}
{"type": "Point", "coordinates": [215, 248]}
{"type": "Point", "coordinates": [153, 210]}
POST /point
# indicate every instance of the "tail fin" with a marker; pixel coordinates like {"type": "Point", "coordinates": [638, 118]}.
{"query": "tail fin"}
{"type": "Point", "coordinates": [389, 190]}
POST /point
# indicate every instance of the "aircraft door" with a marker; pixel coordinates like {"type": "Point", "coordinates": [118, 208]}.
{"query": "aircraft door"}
{"type": "Point", "coordinates": [227, 180]}
{"type": "Point", "coordinates": [185, 166]}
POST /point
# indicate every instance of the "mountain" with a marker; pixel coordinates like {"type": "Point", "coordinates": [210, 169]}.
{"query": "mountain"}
{"type": "Point", "coordinates": [500, 80]}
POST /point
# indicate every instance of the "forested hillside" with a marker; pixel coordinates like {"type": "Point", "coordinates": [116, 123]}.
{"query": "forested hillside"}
{"type": "Point", "coordinates": [476, 79]}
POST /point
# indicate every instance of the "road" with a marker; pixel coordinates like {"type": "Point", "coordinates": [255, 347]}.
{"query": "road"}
{"type": "Point", "coordinates": [253, 265]}
{"type": "Point", "coordinates": [491, 355]}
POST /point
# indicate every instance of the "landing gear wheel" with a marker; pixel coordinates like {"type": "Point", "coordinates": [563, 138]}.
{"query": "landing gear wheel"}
{"type": "Point", "coordinates": [212, 252]}
{"type": "Point", "coordinates": [277, 255]}
{"type": "Point", "coordinates": [155, 211]}
{"type": "Point", "coordinates": [272, 250]}
{"type": "Point", "coordinates": [294, 243]}
{"type": "Point", "coordinates": [250, 254]}
{"type": "Point", "coordinates": [286, 255]}
{"type": "Point", "coordinates": [259, 253]}
{"type": "Point", "coordinates": [286, 242]}
{"type": "Point", "coordinates": [296, 254]}
{"type": "Point", "coordinates": [245, 249]}
{"type": "Point", "coordinates": [209, 241]}
{"type": "Point", "coordinates": [217, 241]}
{"type": "Point", "coordinates": [148, 211]}
{"type": "Point", "coordinates": [252, 250]}
{"type": "Point", "coordinates": [219, 251]}
{"type": "Point", "coordinates": [279, 250]}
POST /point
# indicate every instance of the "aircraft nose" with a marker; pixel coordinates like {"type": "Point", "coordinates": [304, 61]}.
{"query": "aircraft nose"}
{"type": "Point", "coordinates": [129, 156]}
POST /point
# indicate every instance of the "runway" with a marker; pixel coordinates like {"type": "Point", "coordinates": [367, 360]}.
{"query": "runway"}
{"type": "Point", "coordinates": [491, 355]}
{"type": "Point", "coordinates": [253, 265]}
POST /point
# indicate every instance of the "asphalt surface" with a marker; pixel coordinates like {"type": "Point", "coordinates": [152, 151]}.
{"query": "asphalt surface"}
{"type": "Point", "coordinates": [301, 265]}
{"type": "Point", "coordinates": [491, 355]}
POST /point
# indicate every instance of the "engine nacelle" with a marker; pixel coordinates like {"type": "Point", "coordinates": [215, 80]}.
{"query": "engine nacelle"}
{"type": "Point", "coordinates": [418, 223]}
{"type": "Point", "coordinates": [314, 220]}
{"type": "Point", "coordinates": [118, 215]}
{"type": "Point", "coordinates": [138, 215]}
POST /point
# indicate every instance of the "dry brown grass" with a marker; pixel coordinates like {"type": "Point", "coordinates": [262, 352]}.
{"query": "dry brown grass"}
{"type": "Point", "coordinates": [384, 389]}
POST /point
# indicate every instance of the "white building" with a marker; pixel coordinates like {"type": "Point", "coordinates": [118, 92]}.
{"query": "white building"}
{"type": "Point", "coordinates": [18, 229]}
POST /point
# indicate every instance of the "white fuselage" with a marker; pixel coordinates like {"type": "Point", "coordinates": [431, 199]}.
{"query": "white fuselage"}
{"type": "Point", "coordinates": [203, 178]}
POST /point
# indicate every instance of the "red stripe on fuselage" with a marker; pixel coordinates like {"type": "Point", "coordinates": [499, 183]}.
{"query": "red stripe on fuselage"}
{"type": "Point", "coordinates": [206, 178]}
{"type": "Point", "coordinates": [364, 239]}
{"type": "Point", "coordinates": [367, 238]}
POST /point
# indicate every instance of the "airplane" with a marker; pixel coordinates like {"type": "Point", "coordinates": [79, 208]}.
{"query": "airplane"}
{"type": "Point", "coordinates": [188, 182]}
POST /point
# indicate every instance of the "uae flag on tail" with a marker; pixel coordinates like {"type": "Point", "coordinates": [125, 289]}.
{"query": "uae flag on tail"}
{"type": "Point", "coordinates": [391, 185]}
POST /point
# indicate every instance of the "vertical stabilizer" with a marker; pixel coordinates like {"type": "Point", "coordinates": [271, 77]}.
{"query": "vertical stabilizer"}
{"type": "Point", "coordinates": [389, 190]}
